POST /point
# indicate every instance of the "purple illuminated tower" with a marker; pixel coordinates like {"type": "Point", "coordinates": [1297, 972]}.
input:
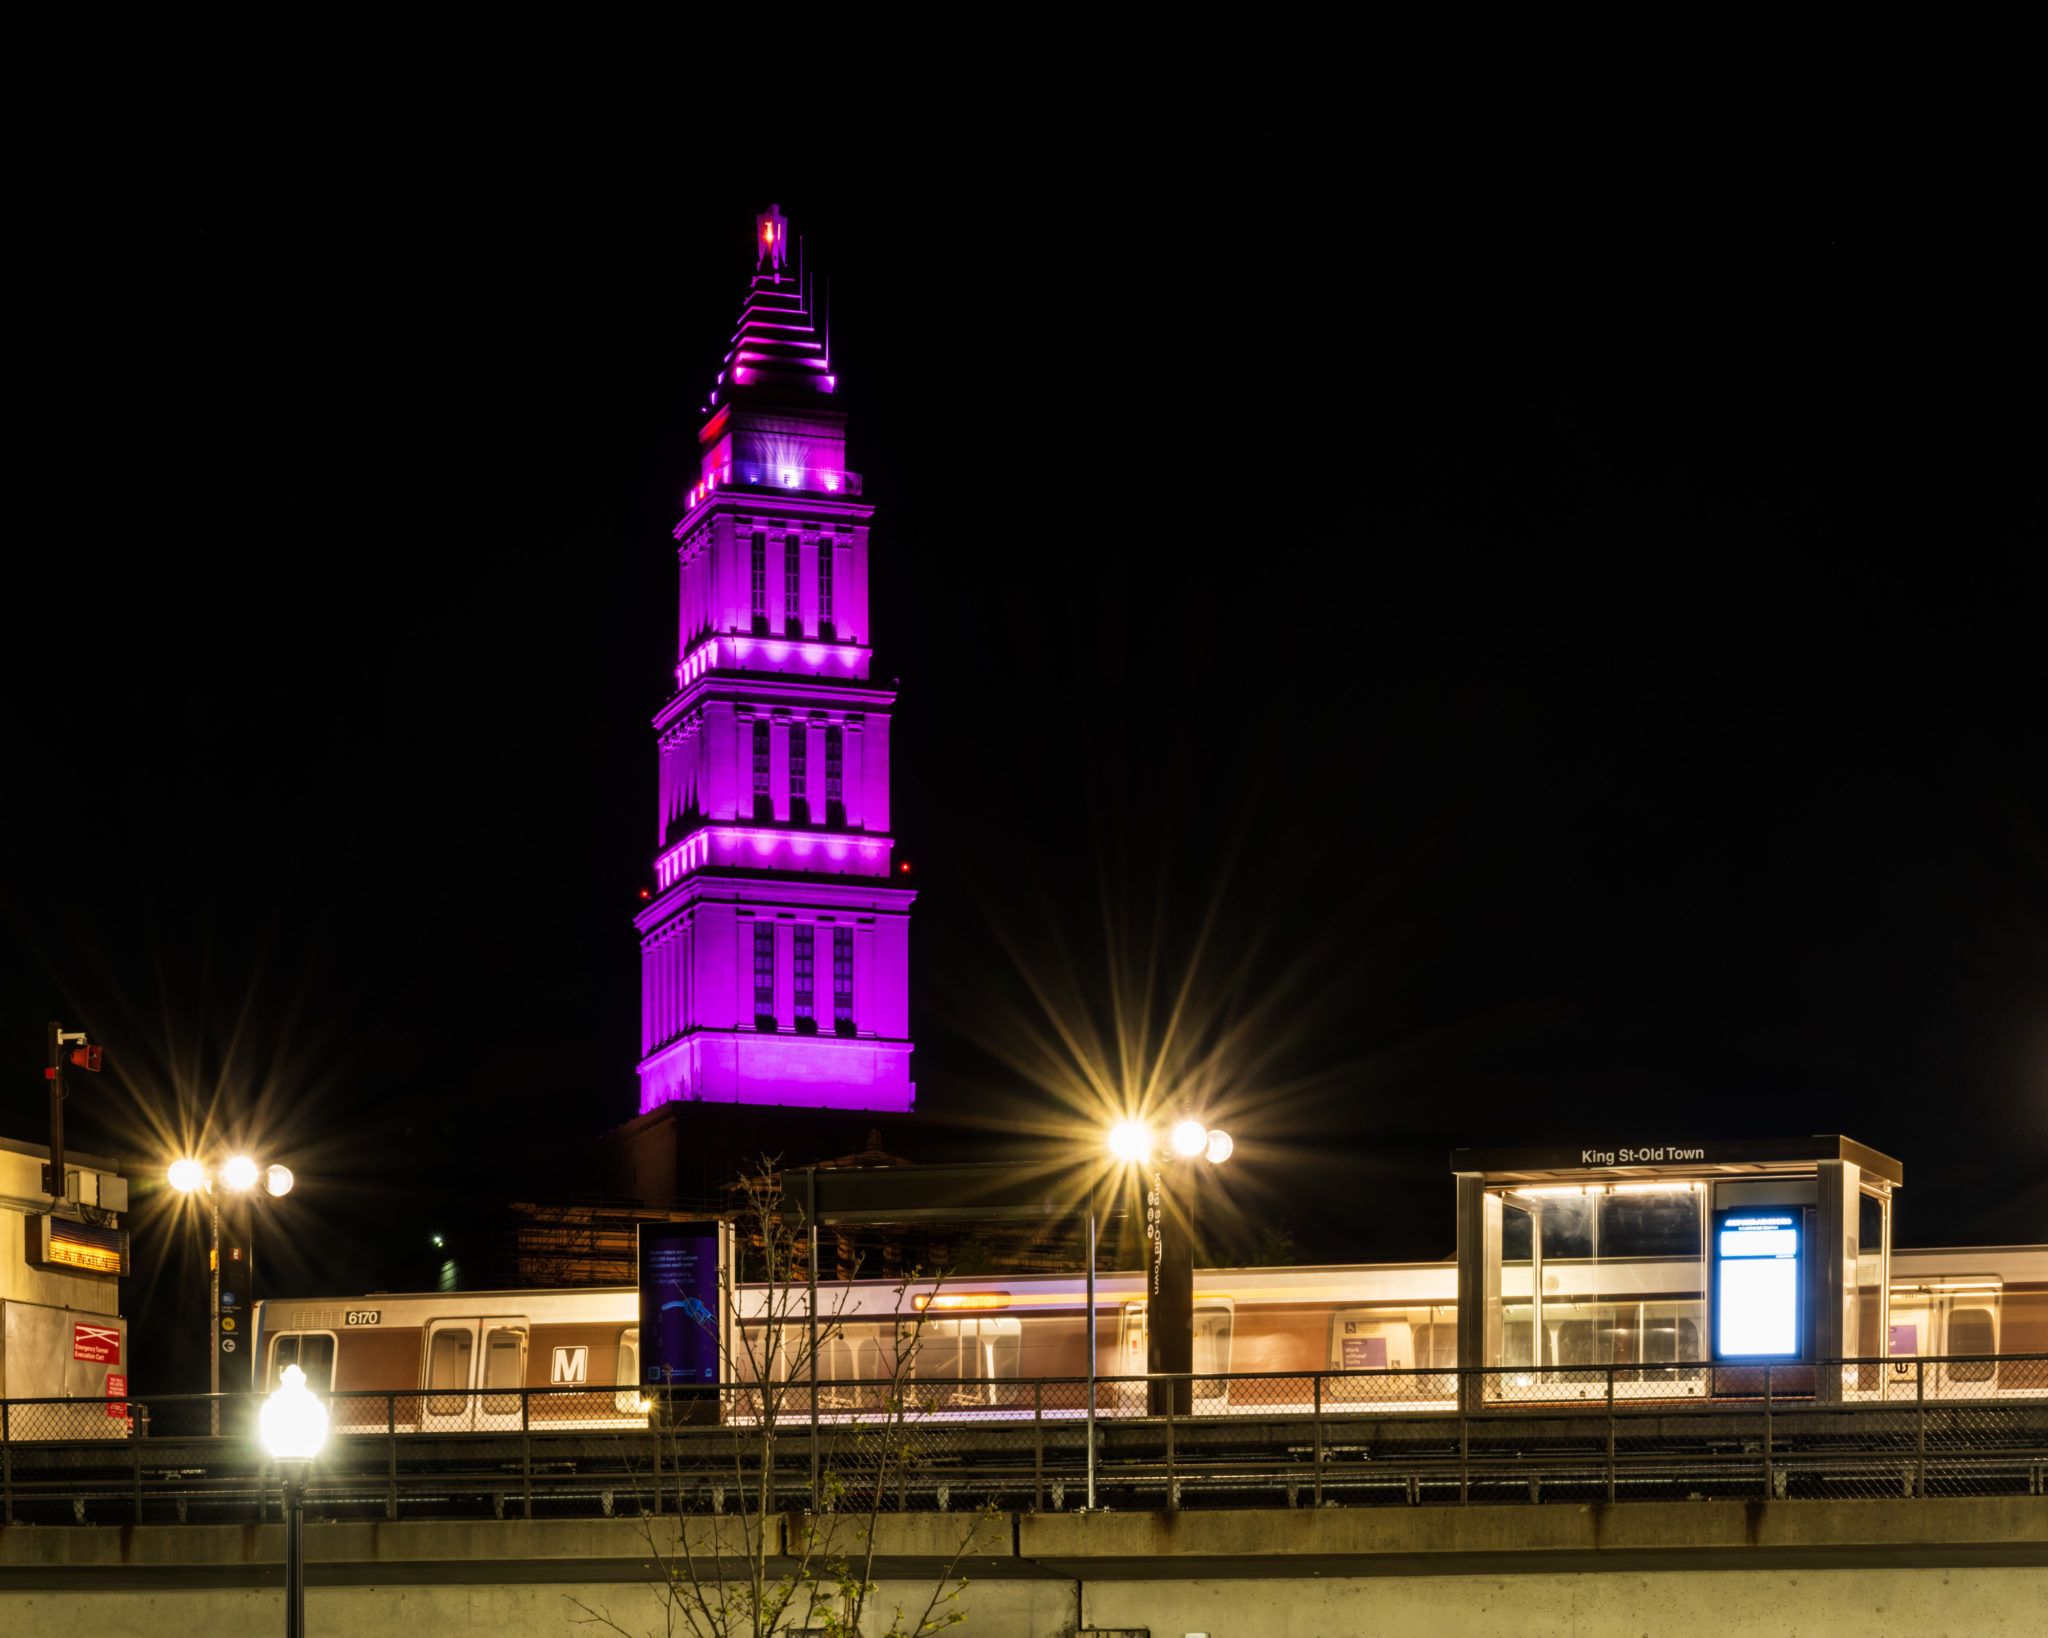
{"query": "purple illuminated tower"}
{"type": "Point", "coordinates": [775, 952]}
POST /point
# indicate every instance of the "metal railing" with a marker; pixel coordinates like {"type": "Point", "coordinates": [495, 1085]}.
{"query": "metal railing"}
{"type": "Point", "coordinates": [1975, 1425]}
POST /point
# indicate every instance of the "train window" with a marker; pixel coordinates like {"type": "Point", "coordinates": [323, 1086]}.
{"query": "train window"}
{"type": "Point", "coordinates": [1212, 1341]}
{"type": "Point", "coordinates": [970, 1351]}
{"type": "Point", "coordinates": [504, 1357]}
{"type": "Point", "coordinates": [1970, 1331]}
{"type": "Point", "coordinates": [312, 1352]}
{"type": "Point", "coordinates": [504, 1364]}
{"type": "Point", "coordinates": [448, 1359]}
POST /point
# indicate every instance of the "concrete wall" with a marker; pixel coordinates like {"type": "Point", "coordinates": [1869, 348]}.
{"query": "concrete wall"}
{"type": "Point", "coordinates": [1032, 1609]}
{"type": "Point", "coordinates": [1862, 1603]}
{"type": "Point", "coordinates": [1868, 1569]}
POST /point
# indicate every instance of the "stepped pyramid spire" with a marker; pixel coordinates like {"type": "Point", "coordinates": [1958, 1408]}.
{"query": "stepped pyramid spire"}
{"type": "Point", "coordinates": [774, 948]}
{"type": "Point", "coordinates": [777, 343]}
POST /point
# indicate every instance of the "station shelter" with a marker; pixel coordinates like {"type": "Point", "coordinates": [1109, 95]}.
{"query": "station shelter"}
{"type": "Point", "coordinates": [1674, 1268]}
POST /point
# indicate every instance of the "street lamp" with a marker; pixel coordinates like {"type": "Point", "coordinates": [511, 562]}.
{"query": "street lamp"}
{"type": "Point", "coordinates": [238, 1174]}
{"type": "Point", "coordinates": [1169, 1229]}
{"type": "Point", "coordinates": [294, 1429]}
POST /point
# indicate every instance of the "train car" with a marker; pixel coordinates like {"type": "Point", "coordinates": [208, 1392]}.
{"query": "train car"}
{"type": "Point", "coordinates": [1972, 1300]}
{"type": "Point", "coordinates": [449, 1357]}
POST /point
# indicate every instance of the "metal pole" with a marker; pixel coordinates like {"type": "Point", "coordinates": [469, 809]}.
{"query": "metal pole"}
{"type": "Point", "coordinates": [1767, 1433]}
{"type": "Point", "coordinates": [1319, 1438]}
{"type": "Point", "coordinates": [811, 1211]}
{"type": "Point", "coordinates": [1920, 1429]}
{"type": "Point", "coordinates": [1038, 1446]}
{"type": "Point", "coordinates": [1172, 1486]}
{"type": "Point", "coordinates": [293, 1475]}
{"type": "Point", "coordinates": [53, 1174]}
{"type": "Point", "coordinates": [1610, 1430]}
{"type": "Point", "coordinates": [1091, 1350]}
{"type": "Point", "coordinates": [213, 1261]}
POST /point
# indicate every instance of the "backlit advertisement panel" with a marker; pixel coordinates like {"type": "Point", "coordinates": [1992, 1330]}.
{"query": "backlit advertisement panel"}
{"type": "Point", "coordinates": [682, 1308]}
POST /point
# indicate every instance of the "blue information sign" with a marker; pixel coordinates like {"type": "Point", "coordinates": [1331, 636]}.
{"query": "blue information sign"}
{"type": "Point", "coordinates": [680, 1303]}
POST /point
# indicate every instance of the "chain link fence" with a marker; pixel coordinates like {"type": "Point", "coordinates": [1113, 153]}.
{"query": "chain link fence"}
{"type": "Point", "coordinates": [1908, 1428]}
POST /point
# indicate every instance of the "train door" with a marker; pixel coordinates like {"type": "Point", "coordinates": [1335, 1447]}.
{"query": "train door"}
{"type": "Point", "coordinates": [464, 1356]}
{"type": "Point", "coordinates": [1131, 1358]}
{"type": "Point", "coordinates": [1946, 1318]}
{"type": "Point", "coordinates": [626, 1375]}
{"type": "Point", "coordinates": [1212, 1357]}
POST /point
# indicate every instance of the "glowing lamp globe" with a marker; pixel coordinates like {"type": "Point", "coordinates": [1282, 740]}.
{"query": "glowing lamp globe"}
{"type": "Point", "coordinates": [239, 1174]}
{"type": "Point", "coordinates": [1189, 1138]}
{"type": "Point", "coordinates": [187, 1175]}
{"type": "Point", "coordinates": [294, 1422]}
{"type": "Point", "coordinates": [278, 1180]}
{"type": "Point", "coordinates": [1130, 1141]}
{"type": "Point", "coordinates": [1219, 1148]}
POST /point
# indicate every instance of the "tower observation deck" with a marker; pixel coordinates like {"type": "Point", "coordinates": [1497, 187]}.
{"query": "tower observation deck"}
{"type": "Point", "coordinates": [774, 948]}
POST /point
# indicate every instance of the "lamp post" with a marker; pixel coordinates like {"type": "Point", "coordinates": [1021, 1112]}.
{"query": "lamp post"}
{"type": "Point", "coordinates": [1170, 1263]}
{"type": "Point", "coordinates": [238, 1176]}
{"type": "Point", "coordinates": [294, 1429]}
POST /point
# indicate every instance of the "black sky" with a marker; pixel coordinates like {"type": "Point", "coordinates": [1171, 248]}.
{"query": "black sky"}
{"type": "Point", "coordinates": [1595, 609]}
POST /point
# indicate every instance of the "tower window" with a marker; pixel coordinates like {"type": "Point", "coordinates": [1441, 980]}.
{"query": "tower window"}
{"type": "Point", "coordinates": [835, 776]}
{"type": "Point", "coordinates": [764, 803]}
{"type": "Point", "coordinates": [802, 968]}
{"type": "Point", "coordinates": [764, 975]}
{"type": "Point", "coordinates": [792, 584]}
{"type": "Point", "coordinates": [842, 980]}
{"type": "Point", "coordinates": [799, 772]}
{"type": "Point", "coordinates": [760, 577]}
{"type": "Point", "coordinates": [825, 561]}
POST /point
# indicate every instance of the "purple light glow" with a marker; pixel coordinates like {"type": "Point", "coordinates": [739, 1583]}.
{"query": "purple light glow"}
{"type": "Point", "coordinates": [744, 847]}
{"type": "Point", "coordinates": [848, 661]}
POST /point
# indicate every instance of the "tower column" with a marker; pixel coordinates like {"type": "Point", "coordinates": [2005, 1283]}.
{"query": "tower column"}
{"type": "Point", "coordinates": [854, 742]}
{"type": "Point", "coordinates": [785, 973]}
{"type": "Point", "coordinates": [814, 770]}
{"type": "Point", "coordinates": [778, 765]}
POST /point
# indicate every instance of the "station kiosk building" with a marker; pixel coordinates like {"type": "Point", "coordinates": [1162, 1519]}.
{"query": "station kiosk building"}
{"type": "Point", "coordinates": [1676, 1267]}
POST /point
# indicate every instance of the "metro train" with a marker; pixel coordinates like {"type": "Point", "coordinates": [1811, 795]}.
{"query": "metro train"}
{"type": "Point", "coordinates": [452, 1355]}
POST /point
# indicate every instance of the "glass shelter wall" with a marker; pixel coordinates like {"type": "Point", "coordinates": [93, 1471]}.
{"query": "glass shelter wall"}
{"type": "Point", "coordinates": [1602, 1274]}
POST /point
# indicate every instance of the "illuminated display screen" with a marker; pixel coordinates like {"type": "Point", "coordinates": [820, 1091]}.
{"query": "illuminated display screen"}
{"type": "Point", "coordinates": [84, 1245]}
{"type": "Point", "coordinates": [681, 1305]}
{"type": "Point", "coordinates": [1756, 1293]}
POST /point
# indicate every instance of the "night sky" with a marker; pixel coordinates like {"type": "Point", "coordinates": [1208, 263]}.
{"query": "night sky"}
{"type": "Point", "coordinates": [1572, 633]}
